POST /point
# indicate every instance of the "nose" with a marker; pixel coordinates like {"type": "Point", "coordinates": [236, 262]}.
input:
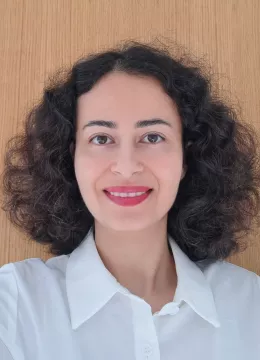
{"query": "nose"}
{"type": "Point", "coordinates": [127, 163]}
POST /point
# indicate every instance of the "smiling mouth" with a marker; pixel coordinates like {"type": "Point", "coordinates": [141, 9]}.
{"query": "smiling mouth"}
{"type": "Point", "coordinates": [128, 200]}
{"type": "Point", "coordinates": [148, 191]}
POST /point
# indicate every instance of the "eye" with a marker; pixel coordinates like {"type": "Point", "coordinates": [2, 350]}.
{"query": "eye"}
{"type": "Point", "coordinates": [151, 136]}
{"type": "Point", "coordinates": [154, 135]}
{"type": "Point", "coordinates": [99, 136]}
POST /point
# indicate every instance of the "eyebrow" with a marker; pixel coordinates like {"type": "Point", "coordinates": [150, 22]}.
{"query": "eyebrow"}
{"type": "Point", "coordinates": [138, 124]}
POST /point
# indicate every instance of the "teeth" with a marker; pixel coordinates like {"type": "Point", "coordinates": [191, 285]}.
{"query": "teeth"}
{"type": "Point", "coordinates": [127, 194]}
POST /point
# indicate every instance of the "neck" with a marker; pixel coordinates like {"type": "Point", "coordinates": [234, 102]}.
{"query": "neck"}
{"type": "Point", "coordinates": [140, 260]}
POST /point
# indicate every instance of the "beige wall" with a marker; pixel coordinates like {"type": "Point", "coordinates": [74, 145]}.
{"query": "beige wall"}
{"type": "Point", "coordinates": [38, 36]}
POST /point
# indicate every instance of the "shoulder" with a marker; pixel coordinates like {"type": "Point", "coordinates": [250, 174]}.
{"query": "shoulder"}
{"type": "Point", "coordinates": [222, 273]}
{"type": "Point", "coordinates": [224, 268]}
{"type": "Point", "coordinates": [29, 272]}
{"type": "Point", "coordinates": [8, 300]}
{"type": "Point", "coordinates": [231, 282]}
{"type": "Point", "coordinates": [25, 285]}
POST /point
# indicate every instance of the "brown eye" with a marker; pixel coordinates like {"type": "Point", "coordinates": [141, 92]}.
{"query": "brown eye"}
{"type": "Point", "coordinates": [153, 137]}
{"type": "Point", "coordinates": [100, 136]}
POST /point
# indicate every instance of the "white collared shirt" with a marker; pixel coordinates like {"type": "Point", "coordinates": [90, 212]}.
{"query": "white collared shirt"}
{"type": "Point", "coordinates": [72, 307]}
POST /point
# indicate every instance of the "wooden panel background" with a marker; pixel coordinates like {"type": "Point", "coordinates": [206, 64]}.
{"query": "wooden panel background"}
{"type": "Point", "coordinates": [38, 36]}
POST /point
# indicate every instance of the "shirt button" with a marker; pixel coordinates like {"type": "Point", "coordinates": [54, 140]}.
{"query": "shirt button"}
{"type": "Point", "coordinates": [147, 350]}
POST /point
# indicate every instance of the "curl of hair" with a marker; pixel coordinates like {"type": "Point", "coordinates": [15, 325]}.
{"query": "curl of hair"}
{"type": "Point", "coordinates": [218, 198]}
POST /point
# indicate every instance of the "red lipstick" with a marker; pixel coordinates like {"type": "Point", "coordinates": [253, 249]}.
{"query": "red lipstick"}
{"type": "Point", "coordinates": [128, 201]}
{"type": "Point", "coordinates": [127, 189]}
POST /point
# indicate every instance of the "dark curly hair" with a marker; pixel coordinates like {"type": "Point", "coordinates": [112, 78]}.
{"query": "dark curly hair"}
{"type": "Point", "coordinates": [217, 199]}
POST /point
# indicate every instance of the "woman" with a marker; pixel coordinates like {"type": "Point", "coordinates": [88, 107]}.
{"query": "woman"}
{"type": "Point", "coordinates": [141, 180]}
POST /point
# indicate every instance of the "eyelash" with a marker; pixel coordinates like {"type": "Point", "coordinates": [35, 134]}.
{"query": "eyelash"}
{"type": "Point", "coordinates": [103, 135]}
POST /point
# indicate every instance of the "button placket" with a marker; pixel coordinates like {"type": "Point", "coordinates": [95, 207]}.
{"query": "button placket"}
{"type": "Point", "coordinates": [147, 351]}
{"type": "Point", "coordinates": [147, 346]}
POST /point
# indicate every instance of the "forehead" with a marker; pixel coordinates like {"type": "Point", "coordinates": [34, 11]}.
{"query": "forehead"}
{"type": "Point", "coordinates": [129, 82]}
{"type": "Point", "coordinates": [124, 97]}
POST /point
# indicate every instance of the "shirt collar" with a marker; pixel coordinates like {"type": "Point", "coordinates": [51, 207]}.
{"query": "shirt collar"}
{"type": "Point", "coordinates": [90, 285]}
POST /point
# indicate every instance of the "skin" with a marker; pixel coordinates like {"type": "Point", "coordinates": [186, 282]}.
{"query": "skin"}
{"type": "Point", "coordinates": [131, 241]}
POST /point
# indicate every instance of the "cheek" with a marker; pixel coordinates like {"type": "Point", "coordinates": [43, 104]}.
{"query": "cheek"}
{"type": "Point", "coordinates": [88, 170]}
{"type": "Point", "coordinates": [165, 167]}
{"type": "Point", "coordinates": [169, 168]}
{"type": "Point", "coordinates": [169, 177]}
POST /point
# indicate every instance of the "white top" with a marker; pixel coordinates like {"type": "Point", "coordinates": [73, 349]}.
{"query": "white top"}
{"type": "Point", "coordinates": [71, 307]}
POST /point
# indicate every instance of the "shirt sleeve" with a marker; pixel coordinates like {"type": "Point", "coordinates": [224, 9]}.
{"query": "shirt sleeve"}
{"type": "Point", "coordinates": [4, 352]}
{"type": "Point", "coordinates": [8, 314]}
{"type": "Point", "coordinates": [258, 281]}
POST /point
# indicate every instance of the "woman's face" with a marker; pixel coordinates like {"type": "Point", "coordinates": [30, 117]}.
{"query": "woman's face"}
{"type": "Point", "coordinates": [125, 155]}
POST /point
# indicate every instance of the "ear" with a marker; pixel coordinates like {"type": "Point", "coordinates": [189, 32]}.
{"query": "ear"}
{"type": "Point", "coordinates": [184, 170]}
{"type": "Point", "coordinates": [72, 149]}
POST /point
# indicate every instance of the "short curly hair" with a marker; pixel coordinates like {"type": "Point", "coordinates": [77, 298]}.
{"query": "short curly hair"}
{"type": "Point", "coordinates": [217, 199]}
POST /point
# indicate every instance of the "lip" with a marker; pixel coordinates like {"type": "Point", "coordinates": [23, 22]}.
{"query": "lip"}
{"type": "Point", "coordinates": [128, 201]}
{"type": "Point", "coordinates": [127, 189]}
